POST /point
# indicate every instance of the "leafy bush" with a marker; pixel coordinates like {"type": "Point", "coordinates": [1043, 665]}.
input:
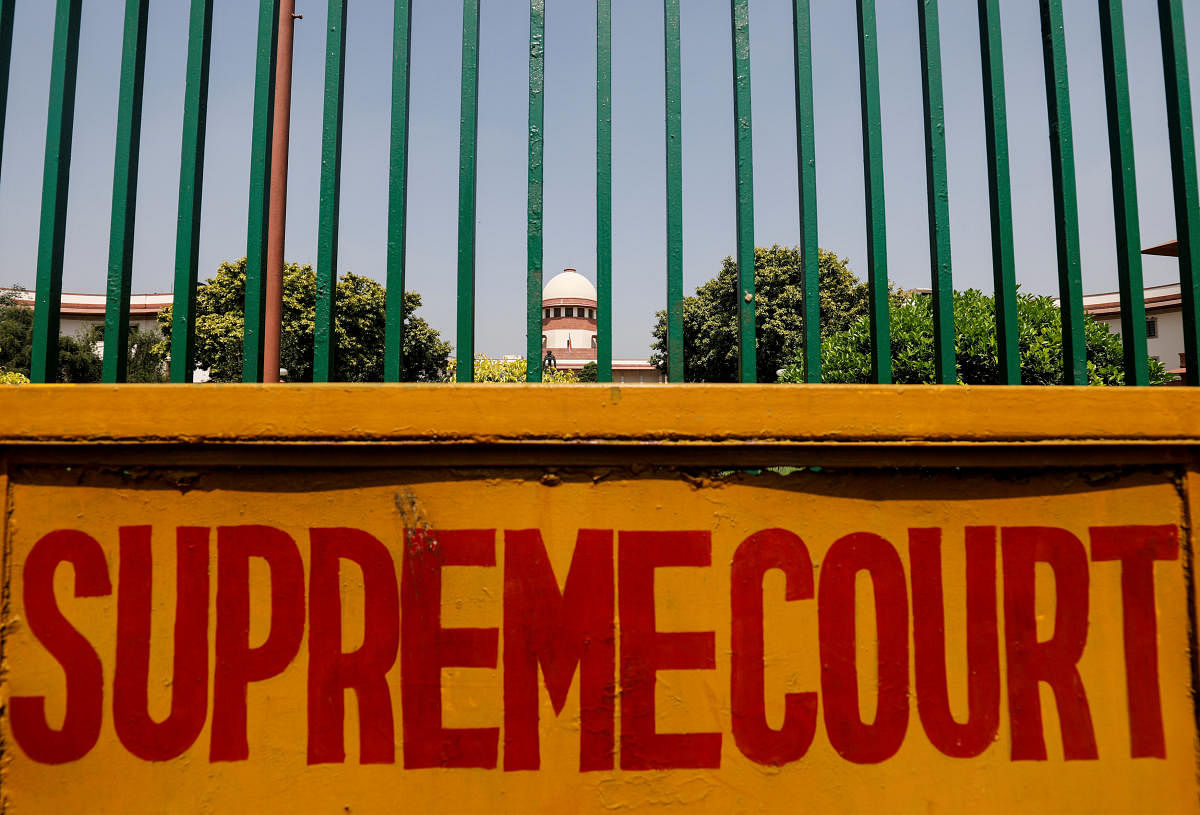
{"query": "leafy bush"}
{"type": "Point", "coordinates": [846, 356]}
{"type": "Point", "coordinates": [510, 371]}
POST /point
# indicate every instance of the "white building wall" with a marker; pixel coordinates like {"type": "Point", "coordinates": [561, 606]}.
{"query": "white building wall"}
{"type": "Point", "coordinates": [636, 377]}
{"type": "Point", "coordinates": [74, 326]}
{"type": "Point", "coordinates": [1168, 345]}
{"type": "Point", "coordinates": [580, 338]}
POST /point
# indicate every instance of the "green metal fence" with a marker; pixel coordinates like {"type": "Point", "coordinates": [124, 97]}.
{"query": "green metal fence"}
{"type": "Point", "coordinates": [1133, 329]}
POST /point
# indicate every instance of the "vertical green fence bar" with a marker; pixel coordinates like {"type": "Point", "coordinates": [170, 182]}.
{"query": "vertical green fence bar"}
{"type": "Point", "coordinates": [674, 123]}
{"type": "Point", "coordinates": [744, 154]}
{"type": "Point", "coordinates": [872, 129]}
{"type": "Point", "coordinates": [1066, 204]}
{"type": "Point", "coordinates": [1004, 263]}
{"type": "Point", "coordinates": [325, 336]}
{"type": "Point", "coordinates": [1124, 183]}
{"type": "Point", "coordinates": [260, 189]}
{"type": "Point", "coordinates": [393, 343]}
{"type": "Point", "coordinates": [468, 139]}
{"type": "Point", "coordinates": [1183, 165]}
{"type": "Point", "coordinates": [191, 192]}
{"type": "Point", "coordinates": [937, 194]}
{"type": "Point", "coordinates": [806, 159]}
{"type": "Point", "coordinates": [55, 185]}
{"type": "Point", "coordinates": [604, 190]}
{"type": "Point", "coordinates": [125, 181]}
{"type": "Point", "coordinates": [537, 122]}
{"type": "Point", "coordinates": [7, 7]}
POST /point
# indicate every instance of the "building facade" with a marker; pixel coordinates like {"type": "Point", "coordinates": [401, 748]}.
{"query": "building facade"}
{"type": "Point", "coordinates": [80, 313]}
{"type": "Point", "coordinates": [569, 330]}
{"type": "Point", "coordinates": [1164, 322]}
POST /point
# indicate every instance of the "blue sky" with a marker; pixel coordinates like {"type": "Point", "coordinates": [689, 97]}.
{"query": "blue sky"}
{"type": "Point", "coordinates": [639, 218]}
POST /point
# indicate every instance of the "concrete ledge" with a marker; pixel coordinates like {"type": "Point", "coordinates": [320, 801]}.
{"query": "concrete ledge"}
{"type": "Point", "coordinates": [591, 414]}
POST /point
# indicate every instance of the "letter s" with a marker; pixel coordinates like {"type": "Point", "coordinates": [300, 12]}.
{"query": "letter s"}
{"type": "Point", "coordinates": [85, 676]}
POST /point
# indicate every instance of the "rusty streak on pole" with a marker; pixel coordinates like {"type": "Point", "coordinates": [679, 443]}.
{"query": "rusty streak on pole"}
{"type": "Point", "coordinates": [277, 228]}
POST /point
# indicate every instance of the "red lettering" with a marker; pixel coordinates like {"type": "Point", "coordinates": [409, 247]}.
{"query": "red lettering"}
{"type": "Point", "coordinates": [141, 735]}
{"type": "Point", "coordinates": [84, 675]}
{"type": "Point", "coordinates": [983, 642]}
{"type": "Point", "coordinates": [330, 671]}
{"type": "Point", "coordinates": [426, 648]}
{"type": "Point", "coordinates": [645, 651]}
{"type": "Point", "coordinates": [559, 631]}
{"type": "Point", "coordinates": [1053, 661]}
{"type": "Point", "coordinates": [854, 739]}
{"type": "Point", "coordinates": [758, 554]}
{"type": "Point", "coordinates": [237, 664]}
{"type": "Point", "coordinates": [1137, 547]}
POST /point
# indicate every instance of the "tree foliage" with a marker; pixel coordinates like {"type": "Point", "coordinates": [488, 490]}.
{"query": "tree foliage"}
{"type": "Point", "coordinates": [710, 317]}
{"type": "Point", "coordinates": [359, 327]}
{"type": "Point", "coordinates": [16, 336]}
{"type": "Point", "coordinates": [846, 355]}
{"type": "Point", "coordinates": [147, 357]}
{"type": "Point", "coordinates": [590, 372]}
{"type": "Point", "coordinates": [8, 298]}
{"type": "Point", "coordinates": [510, 371]}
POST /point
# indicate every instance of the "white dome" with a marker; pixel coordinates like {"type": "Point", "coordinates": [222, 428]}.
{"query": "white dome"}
{"type": "Point", "coordinates": [569, 285]}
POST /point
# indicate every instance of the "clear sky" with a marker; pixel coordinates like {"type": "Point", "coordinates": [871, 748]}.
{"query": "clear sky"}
{"type": "Point", "coordinates": [639, 198]}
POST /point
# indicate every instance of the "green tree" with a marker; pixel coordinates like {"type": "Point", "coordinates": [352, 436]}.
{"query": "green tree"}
{"type": "Point", "coordinates": [590, 372]}
{"type": "Point", "coordinates": [146, 354]}
{"type": "Point", "coordinates": [8, 297]}
{"type": "Point", "coordinates": [16, 335]}
{"type": "Point", "coordinates": [710, 317]}
{"type": "Point", "coordinates": [845, 356]}
{"type": "Point", "coordinates": [147, 357]}
{"type": "Point", "coordinates": [359, 328]}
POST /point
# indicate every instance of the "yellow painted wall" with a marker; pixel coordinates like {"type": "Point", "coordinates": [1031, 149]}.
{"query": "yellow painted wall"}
{"type": "Point", "coordinates": [723, 505]}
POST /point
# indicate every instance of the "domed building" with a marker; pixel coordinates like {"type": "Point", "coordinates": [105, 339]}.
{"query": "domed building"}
{"type": "Point", "coordinates": [569, 332]}
{"type": "Point", "coordinates": [569, 318]}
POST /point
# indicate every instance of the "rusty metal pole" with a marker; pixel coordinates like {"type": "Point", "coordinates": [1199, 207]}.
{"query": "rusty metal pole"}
{"type": "Point", "coordinates": [277, 228]}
